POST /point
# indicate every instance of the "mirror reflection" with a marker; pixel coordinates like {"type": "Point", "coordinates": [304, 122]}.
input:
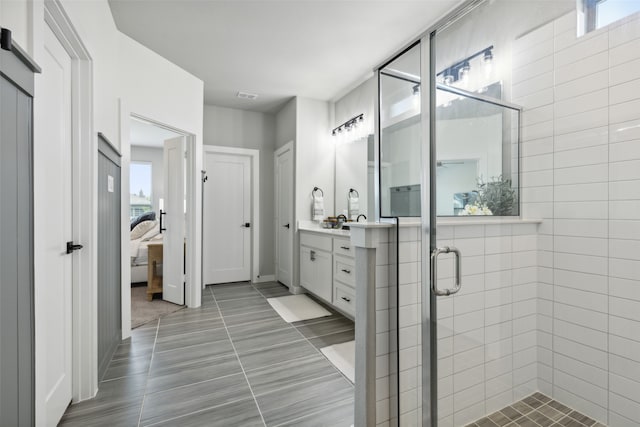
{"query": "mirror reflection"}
{"type": "Point", "coordinates": [474, 139]}
{"type": "Point", "coordinates": [354, 178]}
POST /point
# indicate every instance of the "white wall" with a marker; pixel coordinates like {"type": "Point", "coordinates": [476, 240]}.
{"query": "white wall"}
{"type": "Point", "coordinates": [581, 164]}
{"type": "Point", "coordinates": [155, 156]}
{"type": "Point", "coordinates": [230, 127]}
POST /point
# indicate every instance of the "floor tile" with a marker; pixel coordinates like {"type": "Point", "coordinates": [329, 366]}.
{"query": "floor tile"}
{"type": "Point", "coordinates": [193, 372]}
{"type": "Point", "coordinates": [191, 316]}
{"type": "Point", "coordinates": [188, 399]}
{"type": "Point", "coordinates": [295, 402]}
{"type": "Point", "coordinates": [168, 359]}
{"type": "Point", "coordinates": [243, 413]}
{"type": "Point", "coordinates": [282, 375]}
{"type": "Point", "coordinates": [257, 328]}
{"type": "Point", "coordinates": [128, 349]}
{"type": "Point", "coordinates": [325, 328]}
{"type": "Point", "coordinates": [257, 316]}
{"type": "Point", "coordinates": [185, 328]}
{"type": "Point", "coordinates": [266, 339]}
{"type": "Point", "coordinates": [340, 415]}
{"type": "Point", "coordinates": [185, 340]}
{"type": "Point", "coordinates": [125, 415]}
{"type": "Point", "coordinates": [500, 419]}
{"type": "Point", "coordinates": [254, 359]}
{"type": "Point", "coordinates": [126, 367]}
{"type": "Point", "coordinates": [540, 419]}
{"type": "Point", "coordinates": [332, 339]}
{"type": "Point", "coordinates": [243, 306]}
{"type": "Point", "coordinates": [120, 392]}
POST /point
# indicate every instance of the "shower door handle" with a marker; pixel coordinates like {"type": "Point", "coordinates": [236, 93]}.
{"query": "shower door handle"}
{"type": "Point", "coordinates": [434, 271]}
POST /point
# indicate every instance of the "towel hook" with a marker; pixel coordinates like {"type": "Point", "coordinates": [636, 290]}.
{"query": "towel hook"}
{"type": "Point", "coordinates": [317, 189]}
{"type": "Point", "coordinates": [351, 190]}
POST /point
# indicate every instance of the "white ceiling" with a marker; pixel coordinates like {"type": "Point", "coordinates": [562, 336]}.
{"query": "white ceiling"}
{"type": "Point", "coordinates": [277, 49]}
{"type": "Point", "coordinates": [144, 134]}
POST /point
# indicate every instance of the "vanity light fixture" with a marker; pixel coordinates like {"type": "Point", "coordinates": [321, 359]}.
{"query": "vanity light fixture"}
{"type": "Point", "coordinates": [488, 56]}
{"type": "Point", "coordinates": [463, 72]}
{"type": "Point", "coordinates": [460, 70]}
{"type": "Point", "coordinates": [348, 125]}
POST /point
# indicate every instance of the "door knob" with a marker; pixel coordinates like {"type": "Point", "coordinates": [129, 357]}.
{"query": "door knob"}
{"type": "Point", "coordinates": [246, 225]}
{"type": "Point", "coordinates": [286, 226]}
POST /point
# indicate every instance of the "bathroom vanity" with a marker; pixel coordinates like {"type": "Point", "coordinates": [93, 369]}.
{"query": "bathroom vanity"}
{"type": "Point", "coordinates": [327, 267]}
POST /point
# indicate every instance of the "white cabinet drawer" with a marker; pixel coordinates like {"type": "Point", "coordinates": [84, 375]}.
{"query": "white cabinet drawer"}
{"type": "Point", "coordinates": [316, 241]}
{"type": "Point", "coordinates": [343, 247]}
{"type": "Point", "coordinates": [344, 270]}
{"type": "Point", "coordinates": [345, 299]}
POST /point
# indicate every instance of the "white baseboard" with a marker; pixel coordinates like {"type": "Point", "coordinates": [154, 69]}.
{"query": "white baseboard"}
{"type": "Point", "coordinates": [263, 279]}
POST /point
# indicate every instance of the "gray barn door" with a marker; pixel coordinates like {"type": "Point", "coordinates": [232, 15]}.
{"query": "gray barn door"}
{"type": "Point", "coordinates": [109, 253]}
{"type": "Point", "coordinates": [16, 243]}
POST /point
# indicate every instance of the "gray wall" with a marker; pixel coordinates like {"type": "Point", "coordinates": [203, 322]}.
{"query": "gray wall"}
{"type": "Point", "coordinates": [229, 127]}
{"type": "Point", "coordinates": [16, 254]}
{"type": "Point", "coordinates": [109, 266]}
{"type": "Point", "coordinates": [156, 157]}
{"type": "Point", "coordinates": [286, 123]}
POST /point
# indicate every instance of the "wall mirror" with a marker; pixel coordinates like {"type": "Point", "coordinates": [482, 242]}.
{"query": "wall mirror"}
{"type": "Point", "coordinates": [354, 172]}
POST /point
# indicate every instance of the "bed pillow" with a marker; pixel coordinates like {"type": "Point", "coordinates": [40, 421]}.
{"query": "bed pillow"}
{"type": "Point", "coordinates": [147, 216]}
{"type": "Point", "coordinates": [142, 229]}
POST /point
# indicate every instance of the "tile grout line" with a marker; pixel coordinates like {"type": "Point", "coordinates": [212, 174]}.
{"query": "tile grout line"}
{"type": "Point", "coordinates": [146, 381]}
{"type": "Point", "coordinates": [238, 358]}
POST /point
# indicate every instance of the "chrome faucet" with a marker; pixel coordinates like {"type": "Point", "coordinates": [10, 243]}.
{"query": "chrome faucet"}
{"type": "Point", "coordinates": [361, 215]}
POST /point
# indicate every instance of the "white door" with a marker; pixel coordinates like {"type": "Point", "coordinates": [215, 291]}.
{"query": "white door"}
{"type": "Point", "coordinates": [227, 218]}
{"type": "Point", "coordinates": [284, 214]}
{"type": "Point", "coordinates": [173, 221]}
{"type": "Point", "coordinates": [53, 266]}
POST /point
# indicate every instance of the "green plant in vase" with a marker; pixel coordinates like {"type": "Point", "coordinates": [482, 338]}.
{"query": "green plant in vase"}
{"type": "Point", "coordinates": [498, 195]}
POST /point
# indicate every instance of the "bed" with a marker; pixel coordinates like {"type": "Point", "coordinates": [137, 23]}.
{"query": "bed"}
{"type": "Point", "coordinates": [144, 233]}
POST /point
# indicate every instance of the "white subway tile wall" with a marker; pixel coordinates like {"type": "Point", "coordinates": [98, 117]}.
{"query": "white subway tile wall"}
{"type": "Point", "coordinates": [581, 174]}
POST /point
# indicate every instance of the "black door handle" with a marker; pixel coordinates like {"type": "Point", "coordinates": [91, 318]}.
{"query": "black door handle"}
{"type": "Point", "coordinates": [161, 227]}
{"type": "Point", "coordinates": [71, 247]}
{"type": "Point", "coordinates": [246, 225]}
{"type": "Point", "coordinates": [286, 226]}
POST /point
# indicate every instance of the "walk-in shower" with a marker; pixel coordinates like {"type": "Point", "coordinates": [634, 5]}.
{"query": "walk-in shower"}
{"type": "Point", "coordinates": [509, 135]}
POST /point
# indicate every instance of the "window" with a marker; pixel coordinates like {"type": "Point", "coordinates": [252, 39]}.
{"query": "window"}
{"type": "Point", "coordinates": [600, 13]}
{"type": "Point", "coordinates": [140, 189]}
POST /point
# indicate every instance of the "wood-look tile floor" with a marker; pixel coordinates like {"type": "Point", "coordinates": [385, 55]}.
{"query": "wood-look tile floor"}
{"type": "Point", "coordinates": [536, 410]}
{"type": "Point", "coordinates": [231, 362]}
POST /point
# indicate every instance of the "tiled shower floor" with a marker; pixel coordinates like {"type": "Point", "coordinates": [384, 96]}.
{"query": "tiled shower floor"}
{"type": "Point", "coordinates": [231, 362]}
{"type": "Point", "coordinates": [536, 410]}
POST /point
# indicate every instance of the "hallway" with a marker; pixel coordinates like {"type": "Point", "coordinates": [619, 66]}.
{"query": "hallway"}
{"type": "Point", "coordinates": [231, 362]}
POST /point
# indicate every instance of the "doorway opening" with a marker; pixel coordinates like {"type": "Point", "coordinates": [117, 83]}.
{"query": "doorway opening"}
{"type": "Point", "coordinates": [157, 193]}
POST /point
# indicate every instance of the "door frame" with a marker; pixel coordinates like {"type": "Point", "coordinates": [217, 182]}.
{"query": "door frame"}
{"type": "Point", "coordinates": [193, 292]}
{"type": "Point", "coordinates": [254, 156]}
{"type": "Point", "coordinates": [289, 146]}
{"type": "Point", "coordinates": [84, 142]}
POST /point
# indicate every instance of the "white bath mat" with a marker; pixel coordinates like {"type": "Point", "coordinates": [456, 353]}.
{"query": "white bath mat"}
{"type": "Point", "coordinates": [343, 357]}
{"type": "Point", "coordinates": [294, 308]}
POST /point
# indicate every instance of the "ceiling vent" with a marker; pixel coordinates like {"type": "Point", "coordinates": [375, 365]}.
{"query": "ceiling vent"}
{"type": "Point", "coordinates": [246, 95]}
